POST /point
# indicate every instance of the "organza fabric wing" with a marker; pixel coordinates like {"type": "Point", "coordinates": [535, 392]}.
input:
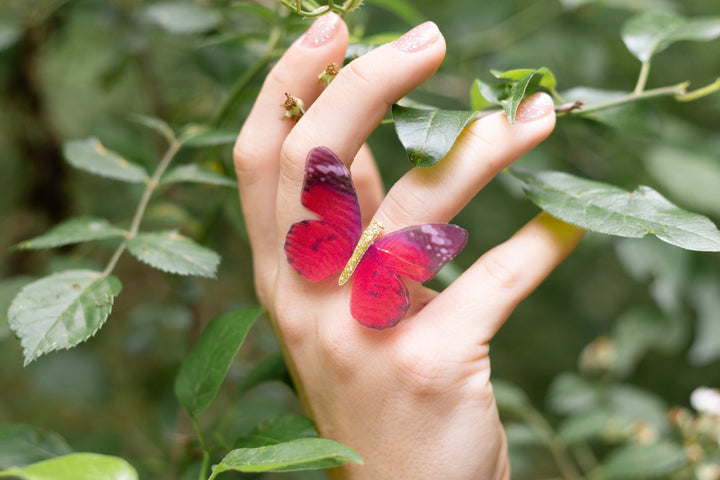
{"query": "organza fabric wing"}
{"type": "Point", "coordinates": [317, 249]}
{"type": "Point", "coordinates": [379, 298]}
{"type": "Point", "coordinates": [420, 251]}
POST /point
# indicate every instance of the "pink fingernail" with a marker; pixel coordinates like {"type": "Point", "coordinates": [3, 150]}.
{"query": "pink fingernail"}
{"type": "Point", "coordinates": [534, 107]}
{"type": "Point", "coordinates": [418, 38]}
{"type": "Point", "coordinates": [322, 30]}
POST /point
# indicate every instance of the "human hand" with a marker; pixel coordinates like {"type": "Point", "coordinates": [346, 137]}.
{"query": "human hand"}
{"type": "Point", "coordinates": [415, 401]}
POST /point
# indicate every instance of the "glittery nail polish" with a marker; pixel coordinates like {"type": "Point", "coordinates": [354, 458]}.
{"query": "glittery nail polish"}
{"type": "Point", "coordinates": [418, 38]}
{"type": "Point", "coordinates": [322, 30]}
{"type": "Point", "coordinates": [534, 107]}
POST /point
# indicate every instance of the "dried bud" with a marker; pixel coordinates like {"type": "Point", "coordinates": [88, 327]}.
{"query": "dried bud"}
{"type": "Point", "coordinates": [598, 357]}
{"type": "Point", "coordinates": [329, 74]}
{"type": "Point", "coordinates": [294, 107]}
{"type": "Point", "coordinates": [642, 432]}
{"type": "Point", "coordinates": [694, 452]}
{"type": "Point", "coordinates": [680, 417]}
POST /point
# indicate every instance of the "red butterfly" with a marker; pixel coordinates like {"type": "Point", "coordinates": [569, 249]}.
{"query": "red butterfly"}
{"type": "Point", "coordinates": [318, 249]}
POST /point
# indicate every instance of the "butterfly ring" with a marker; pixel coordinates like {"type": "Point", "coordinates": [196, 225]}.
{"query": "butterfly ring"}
{"type": "Point", "coordinates": [335, 243]}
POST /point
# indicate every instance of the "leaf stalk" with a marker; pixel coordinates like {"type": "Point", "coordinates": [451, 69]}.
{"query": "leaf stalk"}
{"type": "Point", "coordinates": [150, 187]}
{"type": "Point", "coordinates": [642, 77]}
{"type": "Point", "coordinates": [206, 452]}
{"type": "Point", "coordinates": [557, 448]}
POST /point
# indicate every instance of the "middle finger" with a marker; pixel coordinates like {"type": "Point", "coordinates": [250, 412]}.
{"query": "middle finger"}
{"type": "Point", "coordinates": [352, 106]}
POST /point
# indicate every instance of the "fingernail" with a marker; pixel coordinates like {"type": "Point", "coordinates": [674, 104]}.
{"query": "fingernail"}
{"type": "Point", "coordinates": [418, 38]}
{"type": "Point", "coordinates": [322, 30]}
{"type": "Point", "coordinates": [534, 107]}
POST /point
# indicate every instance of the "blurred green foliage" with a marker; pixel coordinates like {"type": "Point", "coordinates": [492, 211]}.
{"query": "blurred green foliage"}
{"type": "Point", "coordinates": [621, 332]}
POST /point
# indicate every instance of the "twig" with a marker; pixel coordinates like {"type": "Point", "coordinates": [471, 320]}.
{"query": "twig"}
{"type": "Point", "coordinates": [142, 206]}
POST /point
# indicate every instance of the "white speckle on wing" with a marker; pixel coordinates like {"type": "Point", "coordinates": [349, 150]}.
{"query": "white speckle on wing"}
{"type": "Point", "coordinates": [429, 229]}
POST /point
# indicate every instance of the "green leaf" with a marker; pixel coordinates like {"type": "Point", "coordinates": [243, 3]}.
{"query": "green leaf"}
{"type": "Point", "coordinates": [22, 445]}
{"type": "Point", "coordinates": [263, 12]}
{"type": "Point", "coordinates": [9, 288]}
{"type": "Point", "coordinates": [403, 9]}
{"type": "Point", "coordinates": [10, 33]}
{"type": "Point", "coordinates": [205, 367]}
{"type": "Point", "coordinates": [90, 155]}
{"type": "Point", "coordinates": [521, 88]}
{"type": "Point", "coordinates": [587, 425]}
{"type": "Point", "coordinates": [632, 5]}
{"type": "Point", "coordinates": [75, 230]}
{"type": "Point", "coordinates": [153, 123]}
{"type": "Point", "coordinates": [639, 331]}
{"type": "Point", "coordinates": [483, 95]}
{"type": "Point", "coordinates": [665, 267]}
{"type": "Point", "coordinates": [282, 428]}
{"type": "Point", "coordinates": [572, 393]}
{"type": "Point", "coordinates": [605, 208]}
{"type": "Point", "coordinates": [204, 136]}
{"type": "Point", "coordinates": [690, 176]}
{"type": "Point", "coordinates": [269, 368]}
{"type": "Point", "coordinates": [652, 32]}
{"type": "Point", "coordinates": [182, 17]}
{"type": "Point", "coordinates": [197, 174]}
{"type": "Point", "coordinates": [77, 466]}
{"type": "Point", "coordinates": [300, 454]}
{"type": "Point", "coordinates": [547, 81]}
{"type": "Point", "coordinates": [632, 404]}
{"type": "Point", "coordinates": [705, 297]}
{"type": "Point", "coordinates": [428, 135]}
{"type": "Point", "coordinates": [171, 252]}
{"type": "Point", "coordinates": [639, 461]}
{"type": "Point", "coordinates": [61, 310]}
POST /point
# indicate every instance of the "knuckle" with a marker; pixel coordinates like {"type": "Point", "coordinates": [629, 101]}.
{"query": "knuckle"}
{"type": "Point", "coordinates": [404, 205]}
{"type": "Point", "coordinates": [359, 80]}
{"type": "Point", "coordinates": [358, 74]}
{"type": "Point", "coordinates": [292, 328]}
{"type": "Point", "coordinates": [245, 157]}
{"type": "Point", "coordinates": [423, 373]}
{"type": "Point", "coordinates": [279, 78]}
{"type": "Point", "coordinates": [497, 270]}
{"type": "Point", "coordinates": [333, 347]}
{"type": "Point", "coordinates": [291, 170]}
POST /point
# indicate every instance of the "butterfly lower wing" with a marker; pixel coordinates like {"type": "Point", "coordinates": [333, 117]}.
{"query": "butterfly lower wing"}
{"type": "Point", "coordinates": [318, 249]}
{"type": "Point", "coordinates": [420, 251]}
{"type": "Point", "coordinates": [379, 298]}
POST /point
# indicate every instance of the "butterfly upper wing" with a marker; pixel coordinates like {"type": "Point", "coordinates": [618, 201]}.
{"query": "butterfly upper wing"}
{"type": "Point", "coordinates": [317, 249]}
{"type": "Point", "coordinates": [379, 298]}
{"type": "Point", "coordinates": [420, 251]}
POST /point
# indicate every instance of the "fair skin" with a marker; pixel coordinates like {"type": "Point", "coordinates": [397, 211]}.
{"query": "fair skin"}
{"type": "Point", "coordinates": [415, 400]}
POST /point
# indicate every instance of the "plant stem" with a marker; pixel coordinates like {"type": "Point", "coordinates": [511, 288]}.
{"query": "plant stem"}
{"type": "Point", "coordinates": [642, 77]}
{"type": "Point", "coordinates": [676, 90]}
{"type": "Point", "coordinates": [555, 445]}
{"type": "Point", "coordinates": [700, 92]}
{"type": "Point", "coordinates": [230, 104]}
{"type": "Point", "coordinates": [150, 187]}
{"type": "Point", "coordinates": [206, 452]}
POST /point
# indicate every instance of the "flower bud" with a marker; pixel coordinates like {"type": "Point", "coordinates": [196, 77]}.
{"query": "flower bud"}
{"type": "Point", "coordinates": [294, 107]}
{"type": "Point", "coordinates": [329, 74]}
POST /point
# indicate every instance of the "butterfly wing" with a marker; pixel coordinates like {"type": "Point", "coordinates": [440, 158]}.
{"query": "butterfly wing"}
{"type": "Point", "coordinates": [379, 298]}
{"type": "Point", "coordinates": [317, 249]}
{"type": "Point", "coordinates": [420, 251]}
